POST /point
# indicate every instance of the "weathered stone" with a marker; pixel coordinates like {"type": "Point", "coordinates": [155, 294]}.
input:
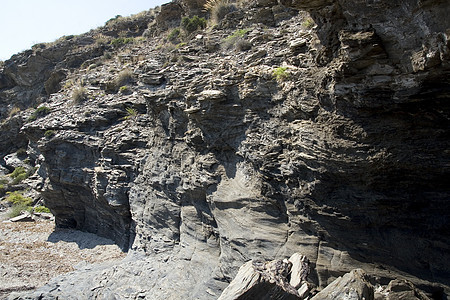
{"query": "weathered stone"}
{"type": "Point", "coordinates": [152, 79]}
{"type": "Point", "coordinates": [26, 217]}
{"type": "Point", "coordinates": [300, 269]}
{"type": "Point", "coordinates": [402, 289]}
{"type": "Point", "coordinates": [341, 156]}
{"type": "Point", "coordinates": [259, 280]}
{"type": "Point", "coordinates": [354, 285]}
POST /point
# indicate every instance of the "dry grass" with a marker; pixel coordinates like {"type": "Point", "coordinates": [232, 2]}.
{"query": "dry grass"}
{"type": "Point", "coordinates": [219, 9]}
{"type": "Point", "coordinates": [14, 111]}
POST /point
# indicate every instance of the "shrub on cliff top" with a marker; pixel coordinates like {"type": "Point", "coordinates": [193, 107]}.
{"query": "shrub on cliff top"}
{"type": "Point", "coordinates": [219, 9]}
{"type": "Point", "coordinates": [192, 24]}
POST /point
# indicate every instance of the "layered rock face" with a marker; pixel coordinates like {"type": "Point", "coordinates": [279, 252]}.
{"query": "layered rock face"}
{"type": "Point", "coordinates": [328, 137]}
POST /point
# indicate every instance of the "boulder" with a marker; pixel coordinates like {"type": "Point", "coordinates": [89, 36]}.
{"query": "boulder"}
{"type": "Point", "coordinates": [25, 217]}
{"type": "Point", "coordinates": [261, 280]}
{"type": "Point", "coordinates": [352, 286]}
{"type": "Point", "coordinates": [403, 289]}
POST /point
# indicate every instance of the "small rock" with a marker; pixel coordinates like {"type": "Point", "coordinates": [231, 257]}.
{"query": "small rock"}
{"type": "Point", "coordinates": [300, 269]}
{"type": "Point", "coordinates": [23, 218]}
{"type": "Point", "coordinates": [298, 43]}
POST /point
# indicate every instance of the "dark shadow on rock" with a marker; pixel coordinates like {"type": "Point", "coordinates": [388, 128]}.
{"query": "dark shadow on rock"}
{"type": "Point", "coordinates": [84, 240]}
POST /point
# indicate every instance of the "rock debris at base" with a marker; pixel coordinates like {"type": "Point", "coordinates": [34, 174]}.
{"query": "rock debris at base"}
{"type": "Point", "coordinates": [33, 253]}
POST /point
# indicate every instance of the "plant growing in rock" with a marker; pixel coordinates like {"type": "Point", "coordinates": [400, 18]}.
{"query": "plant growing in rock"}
{"type": "Point", "coordinates": [19, 202]}
{"type": "Point", "coordinates": [123, 78]}
{"type": "Point", "coordinates": [101, 39]}
{"type": "Point", "coordinates": [132, 113]}
{"type": "Point", "coordinates": [280, 74]}
{"type": "Point", "coordinates": [218, 9]}
{"type": "Point", "coordinates": [41, 209]}
{"type": "Point", "coordinates": [236, 38]}
{"type": "Point", "coordinates": [39, 112]}
{"type": "Point", "coordinates": [121, 41]}
{"type": "Point", "coordinates": [124, 90]}
{"type": "Point", "coordinates": [14, 111]}
{"type": "Point", "coordinates": [79, 95]}
{"type": "Point", "coordinates": [192, 24]}
{"type": "Point", "coordinates": [19, 174]}
{"type": "Point", "coordinates": [17, 198]}
{"type": "Point", "coordinates": [49, 133]}
{"type": "Point", "coordinates": [42, 111]}
{"type": "Point", "coordinates": [242, 45]}
{"type": "Point", "coordinates": [308, 23]}
{"type": "Point", "coordinates": [174, 35]}
{"type": "Point", "coordinates": [21, 152]}
{"type": "Point", "coordinates": [3, 180]}
{"type": "Point", "coordinates": [180, 45]}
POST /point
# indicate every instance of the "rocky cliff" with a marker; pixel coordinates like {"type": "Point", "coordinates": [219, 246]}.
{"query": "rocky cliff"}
{"type": "Point", "coordinates": [319, 127]}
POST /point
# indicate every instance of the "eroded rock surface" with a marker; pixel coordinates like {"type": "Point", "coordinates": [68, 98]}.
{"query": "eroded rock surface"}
{"type": "Point", "coordinates": [343, 156]}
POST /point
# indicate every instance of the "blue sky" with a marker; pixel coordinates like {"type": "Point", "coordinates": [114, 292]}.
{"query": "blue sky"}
{"type": "Point", "coordinates": [24, 23]}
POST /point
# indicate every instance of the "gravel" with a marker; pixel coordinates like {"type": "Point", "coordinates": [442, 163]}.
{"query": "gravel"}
{"type": "Point", "coordinates": [31, 253]}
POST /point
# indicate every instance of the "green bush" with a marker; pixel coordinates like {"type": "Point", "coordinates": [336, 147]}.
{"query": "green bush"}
{"type": "Point", "coordinates": [192, 24]}
{"type": "Point", "coordinates": [39, 112]}
{"type": "Point", "coordinates": [131, 113]}
{"type": "Point", "coordinates": [280, 74]}
{"type": "Point", "coordinates": [174, 34]}
{"type": "Point", "coordinates": [239, 33]}
{"type": "Point", "coordinates": [18, 175]}
{"type": "Point", "coordinates": [308, 23]}
{"type": "Point", "coordinates": [19, 202]}
{"type": "Point", "coordinates": [17, 198]}
{"type": "Point", "coordinates": [124, 90]}
{"type": "Point", "coordinates": [17, 210]}
{"type": "Point", "coordinates": [20, 178]}
{"type": "Point", "coordinates": [121, 41]}
{"type": "Point", "coordinates": [180, 45]}
{"type": "Point", "coordinates": [236, 40]}
{"type": "Point", "coordinates": [42, 111]}
{"type": "Point", "coordinates": [41, 209]}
